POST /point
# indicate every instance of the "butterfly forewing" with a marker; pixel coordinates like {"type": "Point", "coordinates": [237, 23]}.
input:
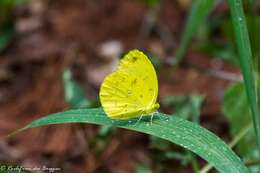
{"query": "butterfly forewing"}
{"type": "Point", "coordinates": [131, 88]}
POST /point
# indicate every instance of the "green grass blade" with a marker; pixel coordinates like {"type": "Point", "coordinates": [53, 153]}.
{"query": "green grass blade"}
{"type": "Point", "coordinates": [232, 144]}
{"type": "Point", "coordinates": [199, 11]}
{"type": "Point", "coordinates": [245, 59]}
{"type": "Point", "coordinates": [171, 128]}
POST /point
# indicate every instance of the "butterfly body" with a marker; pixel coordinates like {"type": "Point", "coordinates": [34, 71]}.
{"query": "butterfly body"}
{"type": "Point", "coordinates": [131, 91]}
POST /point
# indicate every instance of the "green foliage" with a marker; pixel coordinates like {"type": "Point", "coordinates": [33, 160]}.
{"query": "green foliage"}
{"type": "Point", "coordinates": [237, 110]}
{"type": "Point", "coordinates": [219, 48]}
{"type": "Point", "coordinates": [245, 60]}
{"type": "Point", "coordinates": [73, 93]}
{"type": "Point", "coordinates": [6, 35]}
{"type": "Point", "coordinates": [11, 3]}
{"type": "Point", "coordinates": [187, 107]}
{"type": "Point", "coordinates": [7, 21]}
{"type": "Point", "coordinates": [226, 49]}
{"type": "Point", "coordinates": [199, 12]}
{"type": "Point", "coordinates": [163, 150]}
{"type": "Point", "coordinates": [140, 168]}
{"type": "Point", "coordinates": [177, 130]}
{"type": "Point", "coordinates": [75, 96]}
{"type": "Point", "coordinates": [252, 27]}
{"type": "Point", "coordinates": [221, 51]}
{"type": "Point", "coordinates": [152, 3]}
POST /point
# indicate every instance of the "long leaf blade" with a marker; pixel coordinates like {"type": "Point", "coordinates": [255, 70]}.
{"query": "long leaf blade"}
{"type": "Point", "coordinates": [245, 59]}
{"type": "Point", "coordinates": [177, 130]}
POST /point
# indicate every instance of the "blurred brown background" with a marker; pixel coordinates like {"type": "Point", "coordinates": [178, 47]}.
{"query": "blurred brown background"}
{"type": "Point", "coordinates": [88, 36]}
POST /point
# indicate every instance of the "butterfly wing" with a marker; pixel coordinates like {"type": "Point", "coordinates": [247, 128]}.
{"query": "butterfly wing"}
{"type": "Point", "coordinates": [131, 89]}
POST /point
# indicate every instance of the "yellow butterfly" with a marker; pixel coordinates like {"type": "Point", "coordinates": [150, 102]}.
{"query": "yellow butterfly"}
{"type": "Point", "coordinates": [131, 91]}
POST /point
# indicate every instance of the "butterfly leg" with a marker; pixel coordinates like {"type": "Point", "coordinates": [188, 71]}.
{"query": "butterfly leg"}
{"type": "Point", "coordinates": [139, 119]}
{"type": "Point", "coordinates": [151, 120]}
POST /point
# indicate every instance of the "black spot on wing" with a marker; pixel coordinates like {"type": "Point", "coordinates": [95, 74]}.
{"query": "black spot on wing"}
{"type": "Point", "coordinates": [133, 59]}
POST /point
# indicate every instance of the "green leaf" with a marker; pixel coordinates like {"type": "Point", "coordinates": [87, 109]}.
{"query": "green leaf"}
{"type": "Point", "coordinates": [177, 130]}
{"type": "Point", "coordinates": [245, 60]}
{"type": "Point", "coordinates": [253, 25]}
{"type": "Point", "coordinates": [237, 110]}
{"type": "Point", "coordinates": [187, 107]}
{"type": "Point", "coordinates": [74, 94]}
{"type": "Point", "coordinates": [199, 12]}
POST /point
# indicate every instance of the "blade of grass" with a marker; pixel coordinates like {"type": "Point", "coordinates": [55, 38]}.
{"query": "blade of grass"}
{"type": "Point", "coordinates": [172, 128]}
{"type": "Point", "coordinates": [199, 11]}
{"type": "Point", "coordinates": [236, 139]}
{"type": "Point", "coordinates": [188, 107]}
{"type": "Point", "coordinates": [245, 59]}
